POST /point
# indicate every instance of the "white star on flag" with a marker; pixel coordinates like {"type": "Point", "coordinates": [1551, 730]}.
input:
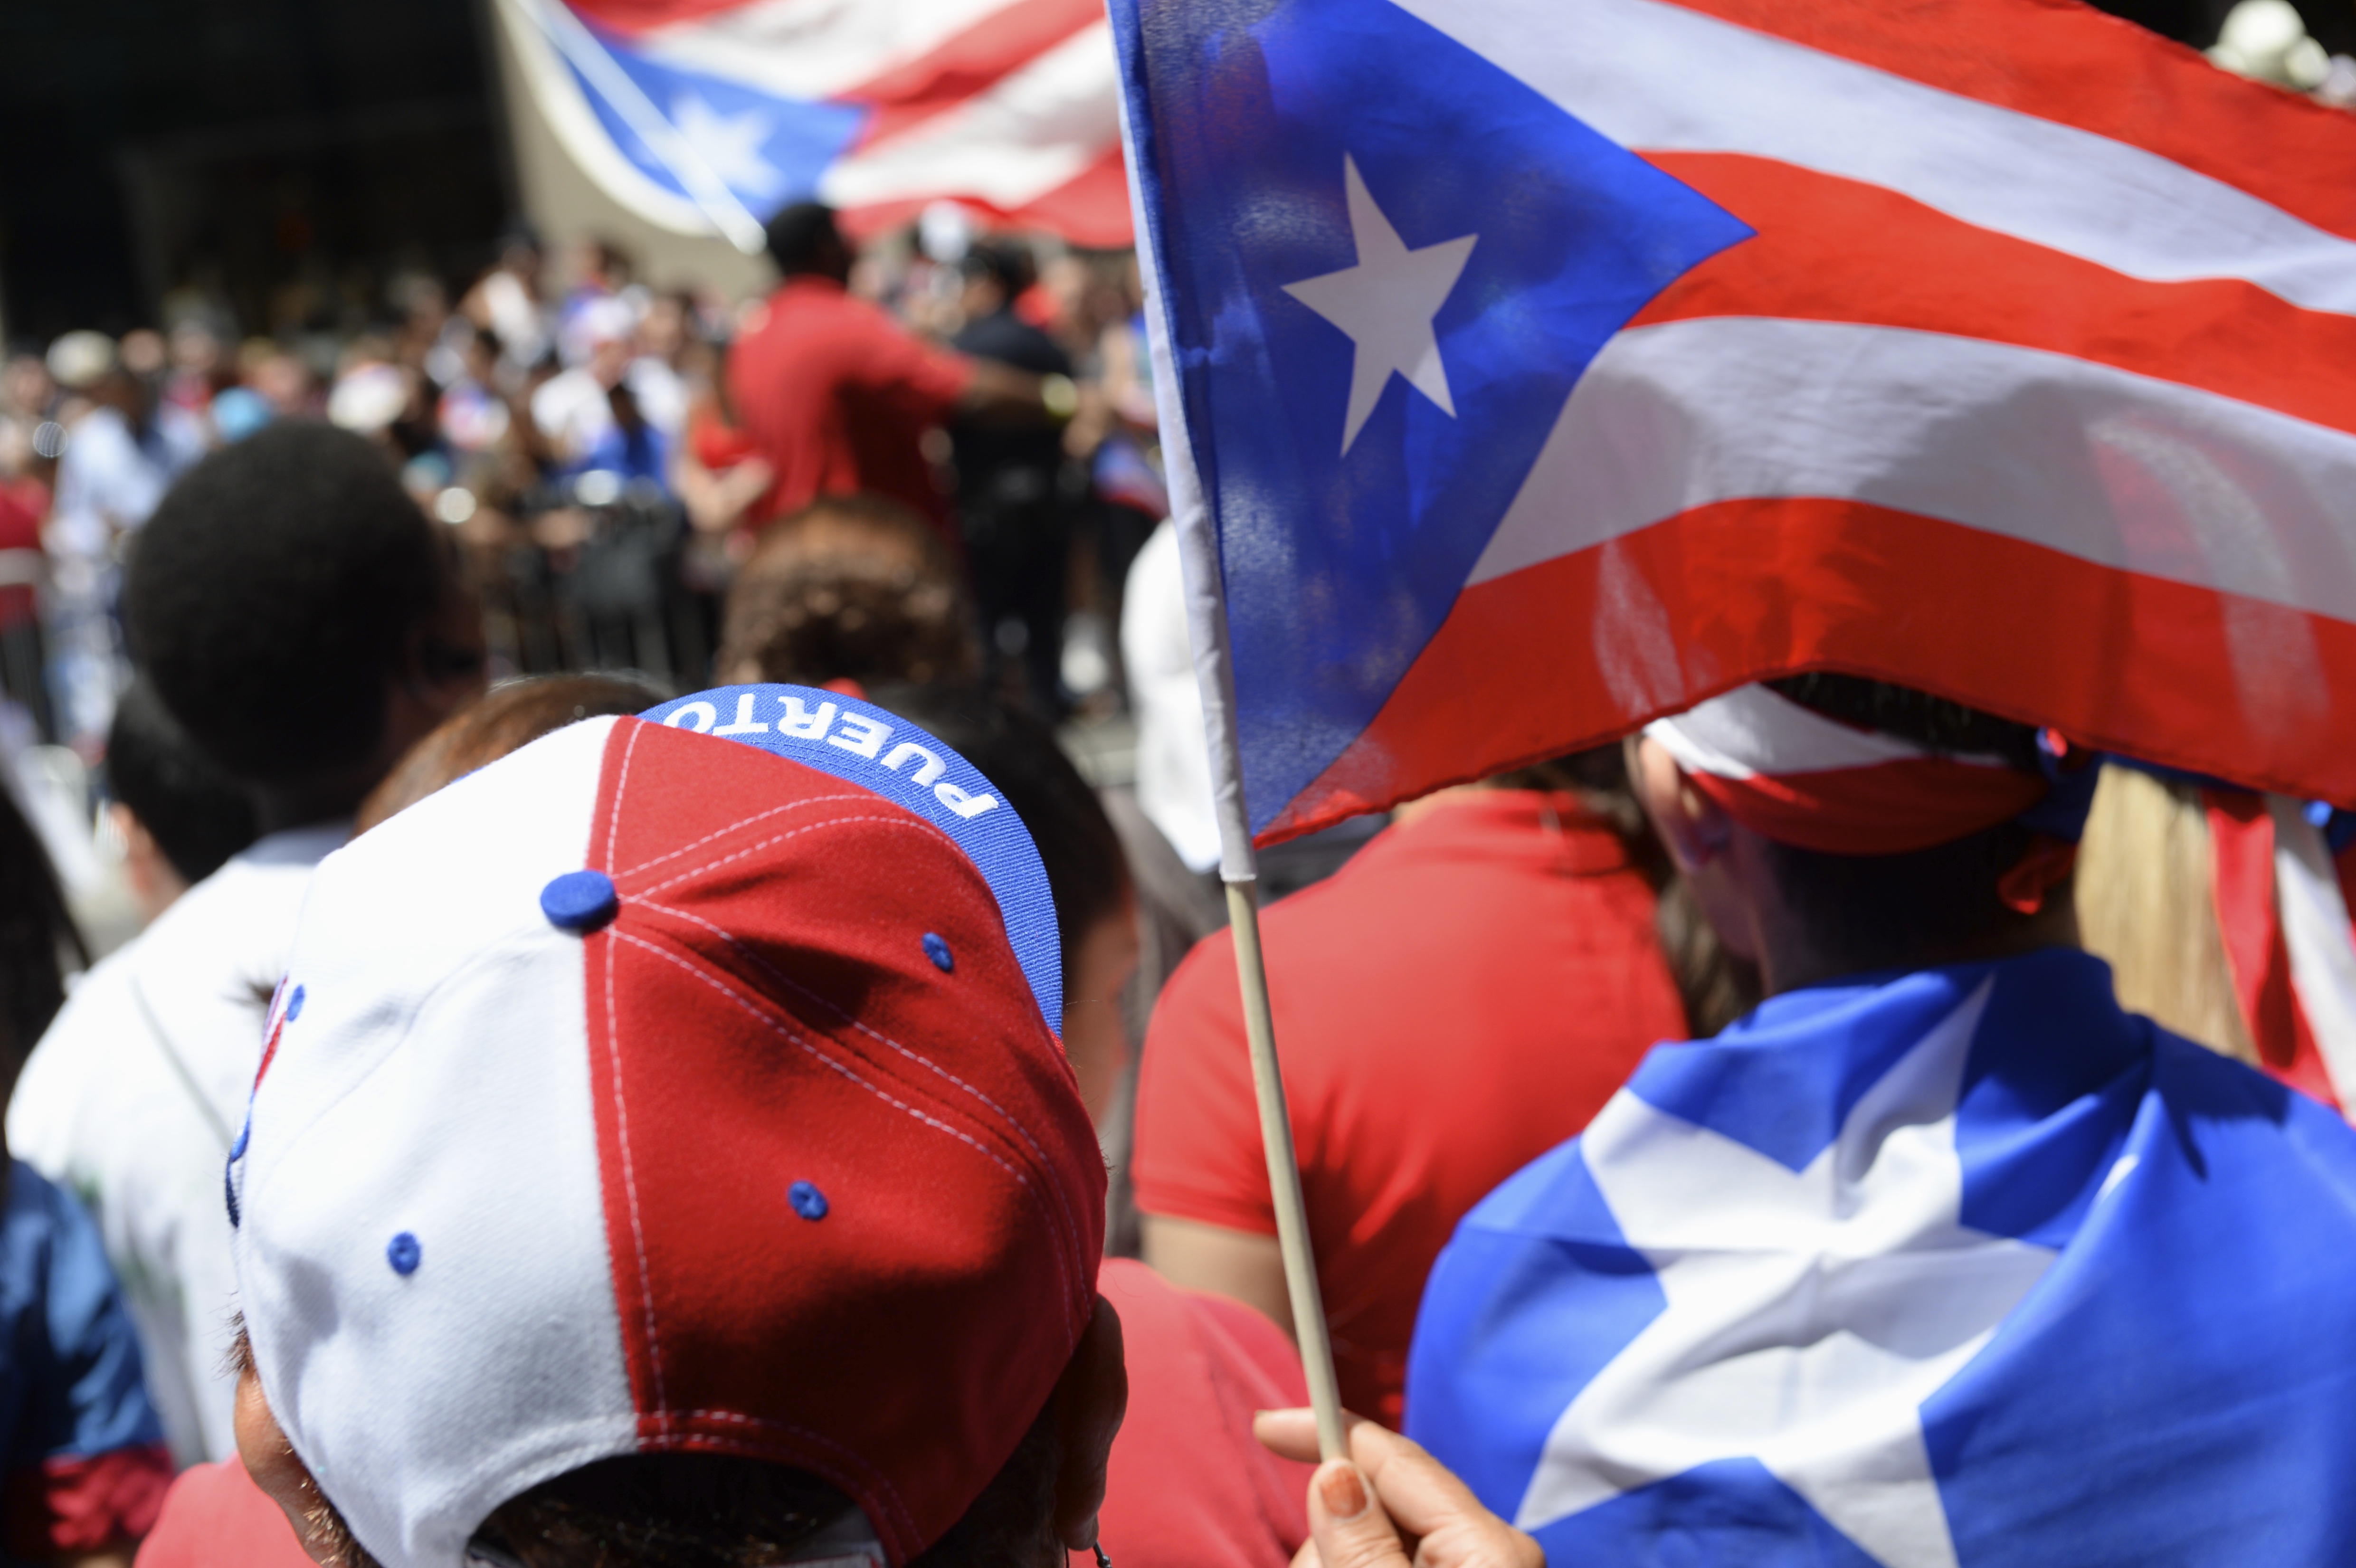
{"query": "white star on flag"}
{"type": "Point", "coordinates": [1809, 1313]}
{"type": "Point", "coordinates": [729, 143]}
{"type": "Point", "coordinates": [1385, 304]}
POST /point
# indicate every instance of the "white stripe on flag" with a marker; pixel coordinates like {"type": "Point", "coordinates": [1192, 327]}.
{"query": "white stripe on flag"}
{"type": "Point", "coordinates": [2315, 931]}
{"type": "Point", "coordinates": [2038, 446]}
{"type": "Point", "coordinates": [814, 48]}
{"type": "Point", "coordinates": [1658, 78]}
{"type": "Point", "coordinates": [1038, 128]}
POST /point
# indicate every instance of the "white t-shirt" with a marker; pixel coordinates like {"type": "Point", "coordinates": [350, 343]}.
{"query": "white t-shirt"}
{"type": "Point", "coordinates": [134, 1094]}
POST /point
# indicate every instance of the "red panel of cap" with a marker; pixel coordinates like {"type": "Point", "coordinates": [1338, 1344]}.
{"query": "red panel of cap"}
{"type": "Point", "coordinates": [853, 1200]}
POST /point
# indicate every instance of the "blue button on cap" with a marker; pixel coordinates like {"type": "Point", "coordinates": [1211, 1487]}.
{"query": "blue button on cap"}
{"type": "Point", "coordinates": [807, 1201]}
{"type": "Point", "coordinates": [580, 900]}
{"type": "Point", "coordinates": [402, 1252]}
{"type": "Point", "coordinates": [938, 951]}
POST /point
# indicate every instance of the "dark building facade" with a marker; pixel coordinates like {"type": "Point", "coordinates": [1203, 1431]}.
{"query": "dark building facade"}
{"type": "Point", "coordinates": [273, 162]}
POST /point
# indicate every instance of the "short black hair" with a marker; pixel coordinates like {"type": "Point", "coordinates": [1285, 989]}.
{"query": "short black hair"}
{"type": "Point", "coordinates": [1884, 911]}
{"type": "Point", "coordinates": [1009, 266]}
{"type": "Point", "coordinates": [37, 938]}
{"type": "Point", "coordinates": [273, 595]}
{"type": "Point", "coordinates": [197, 813]}
{"type": "Point", "coordinates": [1087, 874]}
{"type": "Point", "coordinates": [803, 238]}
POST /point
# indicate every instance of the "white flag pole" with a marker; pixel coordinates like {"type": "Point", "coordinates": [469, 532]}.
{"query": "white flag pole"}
{"type": "Point", "coordinates": [1207, 624]}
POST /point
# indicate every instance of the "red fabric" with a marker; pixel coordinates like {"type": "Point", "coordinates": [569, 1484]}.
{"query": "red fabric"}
{"type": "Point", "coordinates": [84, 1502]}
{"type": "Point", "coordinates": [2241, 844]}
{"type": "Point", "coordinates": [1888, 808]}
{"type": "Point", "coordinates": [1190, 1487]}
{"type": "Point", "coordinates": [838, 396]}
{"type": "Point", "coordinates": [1830, 248]}
{"type": "Point", "coordinates": [215, 1517]}
{"type": "Point", "coordinates": [965, 64]}
{"type": "Point", "coordinates": [899, 1345]}
{"type": "Point", "coordinates": [718, 445]}
{"type": "Point", "coordinates": [2037, 55]}
{"type": "Point", "coordinates": [1459, 998]}
{"type": "Point", "coordinates": [1749, 589]}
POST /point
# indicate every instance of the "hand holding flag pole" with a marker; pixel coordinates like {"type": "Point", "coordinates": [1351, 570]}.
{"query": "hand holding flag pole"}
{"type": "Point", "coordinates": [1207, 624]}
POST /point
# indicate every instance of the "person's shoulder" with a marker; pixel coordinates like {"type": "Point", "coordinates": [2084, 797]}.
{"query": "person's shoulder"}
{"type": "Point", "coordinates": [2215, 1099]}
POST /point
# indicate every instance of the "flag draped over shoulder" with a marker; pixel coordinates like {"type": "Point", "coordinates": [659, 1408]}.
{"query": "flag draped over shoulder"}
{"type": "Point", "coordinates": [1550, 365]}
{"type": "Point", "coordinates": [877, 107]}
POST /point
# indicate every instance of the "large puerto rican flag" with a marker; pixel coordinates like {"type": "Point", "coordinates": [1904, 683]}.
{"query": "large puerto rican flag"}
{"type": "Point", "coordinates": [1549, 365]}
{"type": "Point", "coordinates": [699, 114]}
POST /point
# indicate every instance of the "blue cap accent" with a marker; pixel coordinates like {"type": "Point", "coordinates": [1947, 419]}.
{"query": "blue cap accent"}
{"type": "Point", "coordinates": [807, 1201]}
{"type": "Point", "coordinates": [878, 750]}
{"type": "Point", "coordinates": [579, 900]}
{"type": "Point", "coordinates": [294, 1006]}
{"type": "Point", "coordinates": [403, 1253]}
{"type": "Point", "coordinates": [938, 951]}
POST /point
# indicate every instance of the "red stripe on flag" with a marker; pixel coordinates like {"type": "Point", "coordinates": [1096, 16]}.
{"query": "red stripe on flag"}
{"type": "Point", "coordinates": [1574, 652]}
{"type": "Point", "coordinates": [968, 63]}
{"type": "Point", "coordinates": [1830, 248]}
{"type": "Point", "coordinates": [2068, 62]}
{"type": "Point", "coordinates": [630, 17]}
{"type": "Point", "coordinates": [1091, 209]}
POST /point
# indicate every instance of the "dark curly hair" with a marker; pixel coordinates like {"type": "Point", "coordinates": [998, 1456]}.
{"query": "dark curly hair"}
{"type": "Point", "coordinates": [850, 588]}
{"type": "Point", "coordinates": [37, 940]}
{"type": "Point", "coordinates": [274, 595]}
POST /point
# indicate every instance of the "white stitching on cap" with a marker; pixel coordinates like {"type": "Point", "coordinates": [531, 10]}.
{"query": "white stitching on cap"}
{"type": "Point", "coordinates": [1063, 1200]}
{"type": "Point", "coordinates": [621, 782]}
{"type": "Point", "coordinates": [1063, 1272]}
{"type": "Point", "coordinates": [742, 822]}
{"type": "Point", "coordinates": [621, 1109]}
{"type": "Point", "coordinates": [881, 1481]}
{"type": "Point", "coordinates": [899, 822]}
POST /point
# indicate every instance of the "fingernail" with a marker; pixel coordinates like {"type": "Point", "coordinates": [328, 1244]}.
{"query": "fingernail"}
{"type": "Point", "coordinates": [1341, 1491]}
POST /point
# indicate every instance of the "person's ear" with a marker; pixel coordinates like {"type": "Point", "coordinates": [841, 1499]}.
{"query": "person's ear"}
{"type": "Point", "coordinates": [1090, 1399]}
{"type": "Point", "coordinates": [278, 1470]}
{"type": "Point", "coordinates": [1694, 828]}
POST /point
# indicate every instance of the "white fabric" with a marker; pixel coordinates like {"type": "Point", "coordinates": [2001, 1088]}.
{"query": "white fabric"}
{"type": "Point", "coordinates": [815, 48]}
{"type": "Point", "coordinates": [1691, 413]}
{"type": "Point", "coordinates": [2316, 930]}
{"type": "Point", "coordinates": [1809, 1312]}
{"type": "Point", "coordinates": [1173, 760]}
{"type": "Point", "coordinates": [101, 1108]}
{"type": "Point", "coordinates": [1040, 127]}
{"type": "Point", "coordinates": [1656, 76]}
{"type": "Point", "coordinates": [1752, 730]}
{"type": "Point", "coordinates": [574, 410]}
{"type": "Point", "coordinates": [436, 1082]}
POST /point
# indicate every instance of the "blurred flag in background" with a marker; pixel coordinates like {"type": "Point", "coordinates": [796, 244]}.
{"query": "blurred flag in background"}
{"type": "Point", "coordinates": [699, 115]}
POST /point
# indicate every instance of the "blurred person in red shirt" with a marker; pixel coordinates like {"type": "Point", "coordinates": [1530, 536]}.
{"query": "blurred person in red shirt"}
{"type": "Point", "coordinates": [837, 396]}
{"type": "Point", "coordinates": [1459, 998]}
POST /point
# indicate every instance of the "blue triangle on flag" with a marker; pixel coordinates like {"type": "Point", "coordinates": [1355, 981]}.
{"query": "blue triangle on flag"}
{"type": "Point", "coordinates": [1339, 565]}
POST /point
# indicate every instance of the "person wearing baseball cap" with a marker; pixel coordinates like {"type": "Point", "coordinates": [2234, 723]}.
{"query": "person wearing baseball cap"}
{"type": "Point", "coordinates": [1939, 1254]}
{"type": "Point", "coordinates": [660, 1137]}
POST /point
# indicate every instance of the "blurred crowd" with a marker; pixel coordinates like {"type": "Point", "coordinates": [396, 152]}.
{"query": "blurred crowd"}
{"type": "Point", "coordinates": [571, 422]}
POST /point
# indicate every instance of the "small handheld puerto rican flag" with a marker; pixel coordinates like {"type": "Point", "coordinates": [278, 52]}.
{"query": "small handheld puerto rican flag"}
{"type": "Point", "coordinates": [1534, 368]}
{"type": "Point", "coordinates": [699, 115]}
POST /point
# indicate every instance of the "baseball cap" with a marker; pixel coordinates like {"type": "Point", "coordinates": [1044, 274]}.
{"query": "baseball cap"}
{"type": "Point", "coordinates": [678, 1082]}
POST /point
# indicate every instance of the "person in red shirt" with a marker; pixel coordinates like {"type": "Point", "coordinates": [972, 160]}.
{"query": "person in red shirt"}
{"type": "Point", "coordinates": [1458, 999]}
{"type": "Point", "coordinates": [836, 396]}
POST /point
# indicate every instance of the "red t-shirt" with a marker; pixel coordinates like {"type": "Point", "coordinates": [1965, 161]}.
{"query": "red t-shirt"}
{"type": "Point", "coordinates": [215, 1517]}
{"type": "Point", "coordinates": [1461, 997]}
{"type": "Point", "coordinates": [838, 396]}
{"type": "Point", "coordinates": [1190, 1487]}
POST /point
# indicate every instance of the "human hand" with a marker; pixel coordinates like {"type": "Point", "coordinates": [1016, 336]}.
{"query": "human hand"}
{"type": "Point", "coordinates": [1390, 1503]}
